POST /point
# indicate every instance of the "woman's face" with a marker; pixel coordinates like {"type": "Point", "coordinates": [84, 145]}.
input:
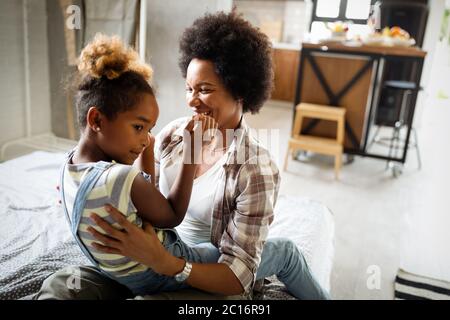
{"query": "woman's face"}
{"type": "Point", "coordinates": [206, 94]}
{"type": "Point", "coordinates": [126, 136]}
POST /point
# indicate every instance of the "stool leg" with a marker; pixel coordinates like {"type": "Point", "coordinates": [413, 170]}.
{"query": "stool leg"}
{"type": "Point", "coordinates": [375, 137]}
{"type": "Point", "coordinates": [419, 159]}
{"type": "Point", "coordinates": [288, 152]}
{"type": "Point", "coordinates": [397, 142]}
{"type": "Point", "coordinates": [392, 144]}
{"type": "Point", "coordinates": [337, 165]}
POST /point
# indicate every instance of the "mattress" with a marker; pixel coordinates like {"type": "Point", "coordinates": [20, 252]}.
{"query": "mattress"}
{"type": "Point", "coordinates": [35, 239]}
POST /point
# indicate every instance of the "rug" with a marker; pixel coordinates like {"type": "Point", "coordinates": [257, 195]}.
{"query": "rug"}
{"type": "Point", "coordinates": [409, 286]}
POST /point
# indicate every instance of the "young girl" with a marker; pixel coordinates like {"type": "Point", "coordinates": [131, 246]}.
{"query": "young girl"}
{"type": "Point", "coordinates": [114, 162]}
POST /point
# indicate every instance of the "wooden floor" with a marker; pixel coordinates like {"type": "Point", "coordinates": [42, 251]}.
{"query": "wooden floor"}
{"type": "Point", "coordinates": [382, 223]}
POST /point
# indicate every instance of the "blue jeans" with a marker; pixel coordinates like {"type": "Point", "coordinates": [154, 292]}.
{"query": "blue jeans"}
{"type": "Point", "coordinates": [280, 257]}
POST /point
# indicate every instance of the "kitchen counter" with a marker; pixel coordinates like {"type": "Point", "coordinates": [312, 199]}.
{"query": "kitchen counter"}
{"type": "Point", "coordinates": [286, 46]}
{"type": "Point", "coordinates": [353, 47]}
{"type": "Point", "coordinates": [368, 49]}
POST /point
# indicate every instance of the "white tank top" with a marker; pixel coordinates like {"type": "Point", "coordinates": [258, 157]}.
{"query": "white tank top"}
{"type": "Point", "coordinates": [196, 226]}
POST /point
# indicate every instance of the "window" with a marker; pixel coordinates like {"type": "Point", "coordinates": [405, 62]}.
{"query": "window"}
{"type": "Point", "coordinates": [357, 9]}
{"type": "Point", "coordinates": [354, 11]}
{"type": "Point", "coordinates": [335, 10]}
{"type": "Point", "coordinates": [328, 9]}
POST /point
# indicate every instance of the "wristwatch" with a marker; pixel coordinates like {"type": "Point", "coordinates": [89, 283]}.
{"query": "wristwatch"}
{"type": "Point", "coordinates": [183, 275]}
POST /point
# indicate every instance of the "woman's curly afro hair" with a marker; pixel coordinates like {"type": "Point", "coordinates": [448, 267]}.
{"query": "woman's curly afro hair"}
{"type": "Point", "coordinates": [241, 55]}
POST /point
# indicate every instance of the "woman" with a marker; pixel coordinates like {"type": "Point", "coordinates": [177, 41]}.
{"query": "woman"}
{"type": "Point", "coordinates": [228, 70]}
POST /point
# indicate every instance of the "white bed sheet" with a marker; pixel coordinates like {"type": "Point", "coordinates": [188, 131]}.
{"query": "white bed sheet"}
{"type": "Point", "coordinates": [310, 225]}
{"type": "Point", "coordinates": [35, 239]}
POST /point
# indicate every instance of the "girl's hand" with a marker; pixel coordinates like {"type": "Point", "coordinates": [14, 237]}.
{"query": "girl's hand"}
{"type": "Point", "coordinates": [146, 160]}
{"type": "Point", "coordinates": [149, 150]}
{"type": "Point", "coordinates": [210, 128]}
{"type": "Point", "coordinates": [203, 123]}
{"type": "Point", "coordinates": [198, 132]}
{"type": "Point", "coordinates": [151, 142]}
{"type": "Point", "coordinates": [133, 242]}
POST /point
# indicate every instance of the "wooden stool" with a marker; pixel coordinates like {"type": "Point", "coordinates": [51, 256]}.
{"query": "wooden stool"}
{"type": "Point", "coordinates": [333, 147]}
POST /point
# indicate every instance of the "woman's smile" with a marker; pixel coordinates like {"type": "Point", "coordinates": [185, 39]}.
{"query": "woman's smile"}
{"type": "Point", "coordinates": [204, 111]}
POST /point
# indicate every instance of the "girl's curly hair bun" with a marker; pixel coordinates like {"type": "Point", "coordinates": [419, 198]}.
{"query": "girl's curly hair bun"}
{"type": "Point", "coordinates": [110, 57]}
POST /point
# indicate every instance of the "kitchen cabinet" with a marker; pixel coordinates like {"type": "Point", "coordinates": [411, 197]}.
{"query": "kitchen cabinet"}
{"type": "Point", "coordinates": [285, 67]}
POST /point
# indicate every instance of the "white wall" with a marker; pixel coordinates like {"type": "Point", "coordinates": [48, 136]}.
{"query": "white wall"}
{"type": "Point", "coordinates": [13, 85]}
{"type": "Point", "coordinates": [432, 36]}
{"type": "Point", "coordinates": [429, 45]}
{"type": "Point", "coordinates": [166, 20]}
{"type": "Point", "coordinates": [437, 74]}
{"type": "Point", "coordinates": [12, 91]}
{"type": "Point", "coordinates": [294, 17]}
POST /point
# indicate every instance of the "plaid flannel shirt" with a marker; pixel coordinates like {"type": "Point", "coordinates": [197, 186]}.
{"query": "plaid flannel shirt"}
{"type": "Point", "coordinates": [243, 203]}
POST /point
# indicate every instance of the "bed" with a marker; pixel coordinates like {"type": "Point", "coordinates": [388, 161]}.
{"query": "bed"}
{"type": "Point", "coordinates": [35, 239]}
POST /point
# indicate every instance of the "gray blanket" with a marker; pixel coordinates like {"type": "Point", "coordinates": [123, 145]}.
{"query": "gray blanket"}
{"type": "Point", "coordinates": [35, 239]}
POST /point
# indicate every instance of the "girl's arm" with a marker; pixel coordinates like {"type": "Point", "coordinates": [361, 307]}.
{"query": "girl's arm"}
{"type": "Point", "coordinates": [153, 207]}
{"type": "Point", "coordinates": [146, 160]}
{"type": "Point", "coordinates": [151, 204]}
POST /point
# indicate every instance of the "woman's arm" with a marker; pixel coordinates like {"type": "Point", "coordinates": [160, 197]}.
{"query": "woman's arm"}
{"type": "Point", "coordinates": [210, 277]}
{"type": "Point", "coordinates": [145, 247]}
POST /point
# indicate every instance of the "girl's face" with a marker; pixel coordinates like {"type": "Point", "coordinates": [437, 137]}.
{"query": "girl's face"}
{"type": "Point", "coordinates": [206, 94]}
{"type": "Point", "coordinates": [126, 136]}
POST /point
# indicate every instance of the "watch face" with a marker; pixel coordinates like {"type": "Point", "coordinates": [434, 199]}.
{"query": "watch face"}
{"type": "Point", "coordinates": [180, 277]}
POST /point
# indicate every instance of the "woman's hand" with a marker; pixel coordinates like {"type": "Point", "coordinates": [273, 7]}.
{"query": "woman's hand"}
{"type": "Point", "coordinates": [140, 245]}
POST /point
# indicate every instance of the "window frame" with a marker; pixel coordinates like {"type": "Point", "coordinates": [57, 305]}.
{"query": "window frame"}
{"type": "Point", "coordinates": [341, 16]}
